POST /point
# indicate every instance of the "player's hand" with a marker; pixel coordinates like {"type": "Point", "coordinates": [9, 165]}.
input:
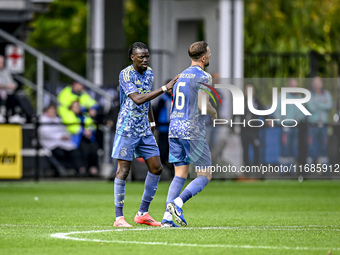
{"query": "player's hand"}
{"type": "Point", "coordinates": [214, 115]}
{"type": "Point", "coordinates": [153, 130]}
{"type": "Point", "coordinates": [171, 84]}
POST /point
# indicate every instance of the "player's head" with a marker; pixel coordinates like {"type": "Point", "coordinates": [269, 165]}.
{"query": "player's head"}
{"type": "Point", "coordinates": [139, 55]}
{"type": "Point", "coordinates": [200, 52]}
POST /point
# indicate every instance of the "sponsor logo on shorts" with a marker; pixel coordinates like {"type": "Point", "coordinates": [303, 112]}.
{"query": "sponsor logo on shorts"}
{"type": "Point", "coordinates": [123, 152]}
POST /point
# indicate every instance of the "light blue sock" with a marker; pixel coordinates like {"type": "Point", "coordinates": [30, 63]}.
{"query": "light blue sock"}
{"type": "Point", "coordinates": [175, 189]}
{"type": "Point", "coordinates": [151, 184]}
{"type": "Point", "coordinates": [119, 189]}
{"type": "Point", "coordinates": [194, 187]}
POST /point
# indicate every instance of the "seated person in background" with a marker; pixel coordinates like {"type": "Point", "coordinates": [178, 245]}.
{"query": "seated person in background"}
{"type": "Point", "coordinates": [7, 88]}
{"type": "Point", "coordinates": [82, 129]}
{"type": "Point", "coordinates": [54, 136]}
{"type": "Point", "coordinates": [73, 93]}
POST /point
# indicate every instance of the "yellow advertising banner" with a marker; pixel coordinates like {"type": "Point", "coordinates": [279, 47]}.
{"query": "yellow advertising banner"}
{"type": "Point", "coordinates": [10, 152]}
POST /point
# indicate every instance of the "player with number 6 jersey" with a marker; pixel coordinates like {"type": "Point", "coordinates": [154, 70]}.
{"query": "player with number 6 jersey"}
{"type": "Point", "coordinates": [187, 133]}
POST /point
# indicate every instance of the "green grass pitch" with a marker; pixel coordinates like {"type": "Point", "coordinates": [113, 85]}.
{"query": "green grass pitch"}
{"type": "Point", "coordinates": [265, 217]}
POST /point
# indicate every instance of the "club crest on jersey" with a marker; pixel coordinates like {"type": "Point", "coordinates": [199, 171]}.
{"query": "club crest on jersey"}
{"type": "Point", "coordinates": [123, 152]}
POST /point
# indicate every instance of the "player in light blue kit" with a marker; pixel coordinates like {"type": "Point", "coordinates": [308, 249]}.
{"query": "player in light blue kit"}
{"type": "Point", "coordinates": [134, 134]}
{"type": "Point", "coordinates": [187, 133]}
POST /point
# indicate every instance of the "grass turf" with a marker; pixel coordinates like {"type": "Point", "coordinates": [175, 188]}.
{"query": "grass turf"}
{"type": "Point", "coordinates": [267, 217]}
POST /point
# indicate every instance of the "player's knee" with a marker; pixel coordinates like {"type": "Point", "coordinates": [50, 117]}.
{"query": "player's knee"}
{"type": "Point", "coordinates": [206, 174]}
{"type": "Point", "coordinates": [157, 170]}
{"type": "Point", "coordinates": [122, 173]}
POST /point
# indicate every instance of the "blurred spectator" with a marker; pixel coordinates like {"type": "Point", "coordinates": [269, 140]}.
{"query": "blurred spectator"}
{"type": "Point", "coordinates": [54, 137]}
{"type": "Point", "coordinates": [319, 106]}
{"type": "Point", "coordinates": [250, 136]}
{"type": "Point", "coordinates": [7, 88]}
{"type": "Point", "coordinates": [162, 117]}
{"type": "Point", "coordinates": [211, 134]}
{"type": "Point", "coordinates": [82, 129]}
{"type": "Point", "coordinates": [289, 135]}
{"type": "Point", "coordinates": [76, 92]}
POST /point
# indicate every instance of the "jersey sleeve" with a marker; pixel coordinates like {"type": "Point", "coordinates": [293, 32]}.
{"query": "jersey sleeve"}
{"type": "Point", "coordinates": [203, 81]}
{"type": "Point", "coordinates": [126, 83]}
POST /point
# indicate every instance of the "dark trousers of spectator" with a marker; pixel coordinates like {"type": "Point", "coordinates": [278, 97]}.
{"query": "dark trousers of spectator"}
{"type": "Point", "coordinates": [250, 138]}
{"type": "Point", "coordinates": [17, 101]}
{"type": "Point", "coordinates": [317, 144]}
{"type": "Point", "coordinates": [70, 158]}
{"type": "Point", "coordinates": [89, 152]}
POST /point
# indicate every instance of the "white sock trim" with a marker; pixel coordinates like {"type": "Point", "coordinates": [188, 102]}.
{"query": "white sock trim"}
{"type": "Point", "coordinates": [167, 216]}
{"type": "Point", "coordinates": [178, 201]}
{"type": "Point", "coordinates": [141, 213]}
{"type": "Point", "coordinates": [117, 218]}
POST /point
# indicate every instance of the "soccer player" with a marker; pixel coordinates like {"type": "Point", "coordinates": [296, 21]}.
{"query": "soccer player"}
{"type": "Point", "coordinates": [187, 133]}
{"type": "Point", "coordinates": [134, 134]}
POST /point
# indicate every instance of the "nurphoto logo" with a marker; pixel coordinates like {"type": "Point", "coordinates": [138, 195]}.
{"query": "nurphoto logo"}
{"type": "Point", "coordinates": [238, 105]}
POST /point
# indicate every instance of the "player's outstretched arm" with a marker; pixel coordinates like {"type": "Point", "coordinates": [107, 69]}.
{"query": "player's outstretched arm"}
{"type": "Point", "coordinates": [151, 118]}
{"type": "Point", "coordinates": [139, 99]}
{"type": "Point", "coordinates": [210, 109]}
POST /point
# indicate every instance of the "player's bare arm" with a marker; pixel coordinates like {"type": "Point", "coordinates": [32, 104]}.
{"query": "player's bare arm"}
{"type": "Point", "coordinates": [139, 99]}
{"type": "Point", "coordinates": [210, 109]}
{"type": "Point", "coordinates": [151, 118]}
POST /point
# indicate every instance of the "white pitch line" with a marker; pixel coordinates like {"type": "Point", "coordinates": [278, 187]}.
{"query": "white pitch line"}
{"type": "Point", "coordinates": [67, 237]}
{"type": "Point", "coordinates": [48, 226]}
{"type": "Point", "coordinates": [276, 228]}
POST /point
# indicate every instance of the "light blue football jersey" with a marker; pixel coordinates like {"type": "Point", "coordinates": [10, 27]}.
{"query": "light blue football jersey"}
{"type": "Point", "coordinates": [132, 119]}
{"type": "Point", "coordinates": [186, 120]}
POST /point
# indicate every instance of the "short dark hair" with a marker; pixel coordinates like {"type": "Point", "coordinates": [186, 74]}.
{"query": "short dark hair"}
{"type": "Point", "coordinates": [197, 50]}
{"type": "Point", "coordinates": [134, 46]}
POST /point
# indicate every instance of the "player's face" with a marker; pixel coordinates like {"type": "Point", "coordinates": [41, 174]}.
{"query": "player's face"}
{"type": "Point", "coordinates": [140, 59]}
{"type": "Point", "coordinates": [206, 57]}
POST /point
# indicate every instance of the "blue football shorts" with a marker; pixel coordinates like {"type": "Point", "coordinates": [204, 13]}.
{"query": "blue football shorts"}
{"type": "Point", "coordinates": [185, 152]}
{"type": "Point", "coordinates": [125, 147]}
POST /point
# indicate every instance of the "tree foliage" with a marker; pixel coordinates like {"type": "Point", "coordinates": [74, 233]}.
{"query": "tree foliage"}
{"type": "Point", "coordinates": [292, 25]}
{"type": "Point", "coordinates": [63, 29]}
{"type": "Point", "coordinates": [136, 21]}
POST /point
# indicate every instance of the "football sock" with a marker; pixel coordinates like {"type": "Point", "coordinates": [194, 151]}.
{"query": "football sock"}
{"type": "Point", "coordinates": [167, 216]}
{"type": "Point", "coordinates": [174, 191]}
{"type": "Point", "coordinates": [179, 202]}
{"type": "Point", "coordinates": [151, 183]}
{"type": "Point", "coordinates": [119, 189]}
{"type": "Point", "coordinates": [194, 187]}
{"type": "Point", "coordinates": [141, 213]}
